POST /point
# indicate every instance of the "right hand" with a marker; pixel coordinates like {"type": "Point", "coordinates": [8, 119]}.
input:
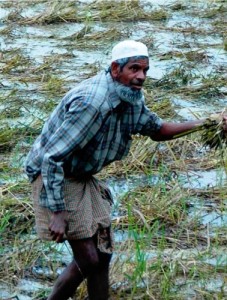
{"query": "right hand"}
{"type": "Point", "coordinates": [58, 226]}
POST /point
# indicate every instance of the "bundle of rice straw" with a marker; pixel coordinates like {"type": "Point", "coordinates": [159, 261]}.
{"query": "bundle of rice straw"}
{"type": "Point", "coordinates": [213, 134]}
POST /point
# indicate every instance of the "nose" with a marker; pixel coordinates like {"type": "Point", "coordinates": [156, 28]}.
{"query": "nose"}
{"type": "Point", "coordinates": [141, 75]}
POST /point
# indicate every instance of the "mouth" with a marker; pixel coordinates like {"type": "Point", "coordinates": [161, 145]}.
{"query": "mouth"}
{"type": "Point", "coordinates": [136, 87]}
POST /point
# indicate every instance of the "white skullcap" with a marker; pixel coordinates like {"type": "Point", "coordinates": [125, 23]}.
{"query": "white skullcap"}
{"type": "Point", "coordinates": [128, 48]}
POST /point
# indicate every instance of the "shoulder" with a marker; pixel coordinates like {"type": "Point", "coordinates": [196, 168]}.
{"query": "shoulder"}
{"type": "Point", "coordinates": [91, 91]}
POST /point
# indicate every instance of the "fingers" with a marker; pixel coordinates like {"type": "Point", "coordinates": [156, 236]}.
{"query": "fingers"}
{"type": "Point", "coordinates": [57, 237]}
{"type": "Point", "coordinates": [220, 118]}
{"type": "Point", "coordinates": [58, 226]}
{"type": "Point", "coordinates": [215, 116]}
{"type": "Point", "coordinates": [57, 234]}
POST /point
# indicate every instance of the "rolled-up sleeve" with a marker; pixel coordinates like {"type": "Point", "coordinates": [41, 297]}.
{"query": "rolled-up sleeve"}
{"type": "Point", "coordinates": [149, 122]}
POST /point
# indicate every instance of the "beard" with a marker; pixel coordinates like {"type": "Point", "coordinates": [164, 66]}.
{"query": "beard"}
{"type": "Point", "coordinates": [127, 94]}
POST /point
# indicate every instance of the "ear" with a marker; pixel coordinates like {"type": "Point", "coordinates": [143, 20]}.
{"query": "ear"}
{"type": "Point", "coordinates": [115, 69]}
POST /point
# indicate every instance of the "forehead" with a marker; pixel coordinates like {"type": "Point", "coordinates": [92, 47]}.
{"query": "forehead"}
{"type": "Point", "coordinates": [142, 62]}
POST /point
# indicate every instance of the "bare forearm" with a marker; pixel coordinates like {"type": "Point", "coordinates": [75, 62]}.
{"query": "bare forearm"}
{"type": "Point", "coordinates": [169, 130]}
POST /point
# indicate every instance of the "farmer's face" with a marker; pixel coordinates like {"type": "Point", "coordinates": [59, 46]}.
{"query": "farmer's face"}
{"type": "Point", "coordinates": [133, 74]}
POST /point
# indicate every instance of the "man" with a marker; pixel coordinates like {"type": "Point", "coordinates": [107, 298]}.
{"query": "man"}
{"type": "Point", "coordinates": [90, 128]}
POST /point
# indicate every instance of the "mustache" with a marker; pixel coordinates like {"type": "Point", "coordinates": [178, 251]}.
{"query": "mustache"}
{"type": "Point", "coordinates": [138, 82]}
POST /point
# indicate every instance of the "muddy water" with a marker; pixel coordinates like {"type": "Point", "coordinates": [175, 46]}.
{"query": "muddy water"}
{"type": "Point", "coordinates": [185, 29]}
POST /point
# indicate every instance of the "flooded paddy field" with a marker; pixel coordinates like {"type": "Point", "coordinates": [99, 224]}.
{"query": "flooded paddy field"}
{"type": "Point", "coordinates": [169, 215]}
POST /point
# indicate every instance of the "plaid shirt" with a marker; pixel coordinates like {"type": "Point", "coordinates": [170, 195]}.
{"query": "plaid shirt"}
{"type": "Point", "coordinates": [90, 128]}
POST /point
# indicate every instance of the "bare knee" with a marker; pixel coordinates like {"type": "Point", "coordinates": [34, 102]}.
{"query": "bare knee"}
{"type": "Point", "coordinates": [86, 257]}
{"type": "Point", "coordinates": [88, 263]}
{"type": "Point", "coordinates": [74, 268]}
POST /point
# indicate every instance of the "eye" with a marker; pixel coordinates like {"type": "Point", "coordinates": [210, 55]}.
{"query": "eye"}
{"type": "Point", "coordinates": [134, 68]}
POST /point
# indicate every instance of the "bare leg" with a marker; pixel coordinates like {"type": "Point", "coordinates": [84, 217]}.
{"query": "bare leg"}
{"type": "Point", "coordinates": [98, 281]}
{"type": "Point", "coordinates": [66, 283]}
{"type": "Point", "coordinates": [86, 258]}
